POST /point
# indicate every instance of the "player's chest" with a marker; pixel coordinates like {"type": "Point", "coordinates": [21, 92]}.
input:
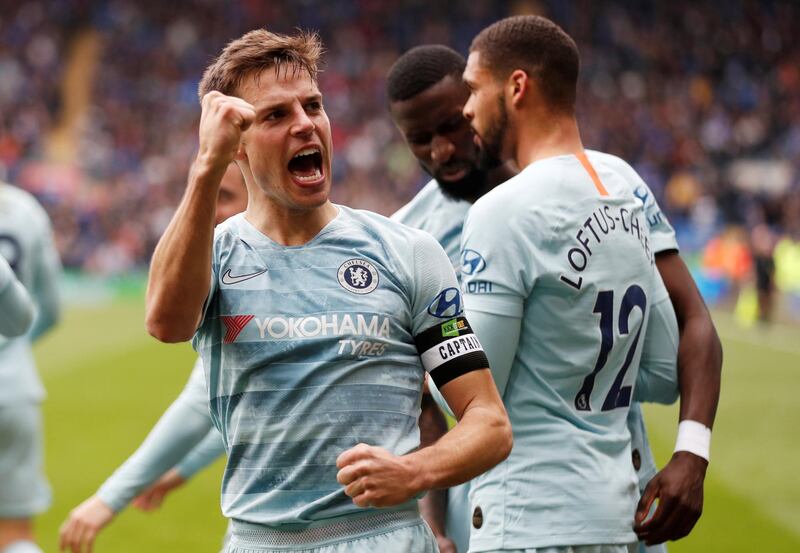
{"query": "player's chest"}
{"type": "Point", "coordinates": [313, 294]}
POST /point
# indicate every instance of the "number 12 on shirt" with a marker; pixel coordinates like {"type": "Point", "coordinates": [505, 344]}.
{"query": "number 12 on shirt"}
{"type": "Point", "coordinates": [617, 396]}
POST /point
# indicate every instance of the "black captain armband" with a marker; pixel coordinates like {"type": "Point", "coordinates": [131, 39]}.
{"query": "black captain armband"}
{"type": "Point", "coordinates": [450, 349]}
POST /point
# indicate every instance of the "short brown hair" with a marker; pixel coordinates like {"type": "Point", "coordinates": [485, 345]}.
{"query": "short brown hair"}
{"type": "Point", "coordinates": [537, 46]}
{"type": "Point", "coordinates": [258, 50]}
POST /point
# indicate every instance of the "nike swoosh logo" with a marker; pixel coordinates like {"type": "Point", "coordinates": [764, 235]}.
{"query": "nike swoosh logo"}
{"type": "Point", "coordinates": [228, 278]}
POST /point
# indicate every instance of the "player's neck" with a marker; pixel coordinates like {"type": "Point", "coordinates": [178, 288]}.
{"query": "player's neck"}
{"type": "Point", "coordinates": [290, 227]}
{"type": "Point", "coordinates": [541, 138]}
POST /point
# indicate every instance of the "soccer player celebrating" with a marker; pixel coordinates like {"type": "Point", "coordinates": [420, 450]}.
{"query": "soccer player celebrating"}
{"type": "Point", "coordinates": [26, 243]}
{"type": "Point", "coordinates": [182, 442]}
{"type": "Point", "coordinates": [560, 289]}
{"type": "Point", "coordinates": [315, 323]}
{"type": "Point", "coordinates": [15, 304]}
{"type": "Point", "coordinates": [425, 91]}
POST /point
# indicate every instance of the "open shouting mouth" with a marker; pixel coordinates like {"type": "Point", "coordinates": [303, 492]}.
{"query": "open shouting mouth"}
{"type": "Point", "coordinates": [306, 166]}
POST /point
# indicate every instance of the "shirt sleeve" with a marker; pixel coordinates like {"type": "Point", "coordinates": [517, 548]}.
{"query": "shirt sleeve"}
{"type": "Point", "coordinates": [662, 235]}
{"type": "Point", "coordinates": [657, 379]}
{"type": "Point", "coordinates": [46, 277]}
{"type": "Point", "coordinates": [180, 429]}
{"type": "Point", "coordinates": [500, 259]}
{"type": "Point", "coordinates": [207, 451]}
{"type": "Point", "coordinates": [445, 341]}
{"type": "Point", "coordinates": [16, 305]}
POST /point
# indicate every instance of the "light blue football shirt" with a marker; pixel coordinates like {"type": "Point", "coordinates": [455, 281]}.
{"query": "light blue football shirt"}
{"type": "Point", "coordinates": [440, 216]}
{"type": "Point", "coordinates": [26, 242]}
{"type": "Point", "coordinates": [310, 350]}
{"type": "Point", "coordinates": [443, 217]}
{"type": "Point", "coordinates": [576, 267]}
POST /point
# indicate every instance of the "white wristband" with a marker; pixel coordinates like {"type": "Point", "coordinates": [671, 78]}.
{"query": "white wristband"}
{"type": "Point", "coordinates": [694, 437]}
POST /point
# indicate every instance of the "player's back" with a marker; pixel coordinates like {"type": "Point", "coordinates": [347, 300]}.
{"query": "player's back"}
{"type": "Point", "coordinates": [569, 254]}
{"type": "Point", "coordinates": [26, 243]}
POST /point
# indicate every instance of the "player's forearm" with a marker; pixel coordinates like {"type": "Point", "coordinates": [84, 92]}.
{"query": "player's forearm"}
{"type": "Point", "coordinates": [205, 453]}
{"type": "Point", "coordinates": [481, 439]}
{"type": "Point", "coordinates": [699, 369]}
{"type": "Point", "coordinates": [17, 310]}
{"type": "Point", "coordinates": [179, 430]}
{"type": "Point", "coordinates": [699, 350]}
{"type": "Point", "coordinates": [48, 299]}
{"type": "Point", "coordinates": [180, 270]}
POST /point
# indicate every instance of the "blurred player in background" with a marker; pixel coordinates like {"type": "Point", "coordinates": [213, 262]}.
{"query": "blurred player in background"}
{"type": "Point", "coordinates": [425, 90]}
{"type": "Point", "coordinates": [26, 243]}
{"type": "Point", "coordinates": [15, 304]}
{"type": "Point", "coordinates": [315, 323]}
{"type": "Point", "coordinates": [181, 443]}
{"type": "Point", "coordinates": [572, 246]}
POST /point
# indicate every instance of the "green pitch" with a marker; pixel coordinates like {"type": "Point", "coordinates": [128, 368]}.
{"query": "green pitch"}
{"type": "Point", "coordinates": [108, 383]}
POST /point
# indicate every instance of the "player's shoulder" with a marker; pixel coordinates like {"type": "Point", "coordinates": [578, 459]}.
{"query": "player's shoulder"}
{"type": "Point", "coordinates": [611, 160]}
{"type": "Point", "coordinates": [229, 229]}
{"type": "Point", "coordinates": [386, 229]}
{"type": "Point", "coordinates": [603, 160]}
{"type": "Point", "coordinates": [425, 199]}
{"type": "Point", "coordinates": [521, 196]}
{"type": "Point", "coordinates": [21, 201]}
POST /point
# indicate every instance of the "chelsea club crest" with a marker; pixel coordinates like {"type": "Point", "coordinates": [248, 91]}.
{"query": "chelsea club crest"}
{"type": "Point", "coordinates": [358, 276]}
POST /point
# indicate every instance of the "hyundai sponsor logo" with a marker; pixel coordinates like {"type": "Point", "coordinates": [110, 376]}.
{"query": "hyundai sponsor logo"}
{"type": "Point", "coordinates": [472, 262]}
{"type": "Point", "coordinates": [447, 304]}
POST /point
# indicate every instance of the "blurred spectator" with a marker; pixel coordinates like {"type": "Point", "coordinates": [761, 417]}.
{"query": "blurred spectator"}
{"type": "Point", "coordinates": [762, 244]}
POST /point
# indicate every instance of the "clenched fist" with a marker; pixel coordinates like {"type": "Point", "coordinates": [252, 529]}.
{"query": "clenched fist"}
{"type": "Point", "coordinates": [222, 122]}
{"type": "Point", "coordinates": [374, 477]}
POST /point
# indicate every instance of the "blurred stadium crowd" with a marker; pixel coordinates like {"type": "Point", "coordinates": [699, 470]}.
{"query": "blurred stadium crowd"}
{"type": "Point", "coordinates": [98, 114]}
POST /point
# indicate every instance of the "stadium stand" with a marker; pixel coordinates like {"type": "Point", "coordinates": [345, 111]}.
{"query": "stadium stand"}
{"type": "Point", "coordinates": [98, 111]}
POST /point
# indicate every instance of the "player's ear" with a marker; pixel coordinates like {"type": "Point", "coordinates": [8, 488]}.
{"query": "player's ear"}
{"type": "Point", "coordinates": [518, 86]}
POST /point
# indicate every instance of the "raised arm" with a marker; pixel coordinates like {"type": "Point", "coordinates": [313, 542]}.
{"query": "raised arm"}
{"type": "Point", "coordinates": [180, 271]}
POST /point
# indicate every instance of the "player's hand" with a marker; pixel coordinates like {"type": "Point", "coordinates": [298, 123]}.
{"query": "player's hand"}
{"type": "Point", "coordinates": [152, 498]}
{"type": "Point", "coordinates": [679, 490]}
{"type": "Point", "coordinates": [222, 122]}
{"type": "Point", "coordinates": [79, 531]}
{"type": "Point", "coordinates": [446, 545]}
{"type": "Point", "coordinates": [373, 477]}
